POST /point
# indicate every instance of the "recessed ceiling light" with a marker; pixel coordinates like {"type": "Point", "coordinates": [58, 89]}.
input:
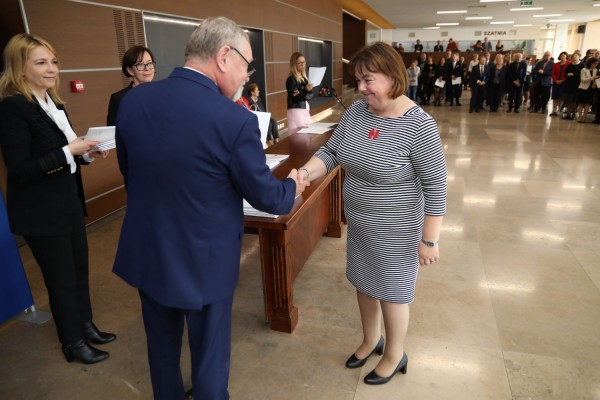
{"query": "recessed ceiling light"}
{"type": "Point", "coordinates": [502, 22]}
{"type": "Point", "coordinates": [495, 1]}
{"type": "Point", "coordinates": [546, 15]}
{"type": "Point", "coordinates": [447, 23]}
{"type": "Point", "coordinates": [596, 5]}
{"type": "Point", "coordinates": [523, 25]}
{"type": "Point", "coordinates": [561, 20]}
{"type": "Point", "coordinates": [527, 9]}
{"type": "Point", "coordinates": [470, 18]}
{"type": "Point", "coordinates": [432, 27]}
{"type": "Point", "coordinates": [453, 12]}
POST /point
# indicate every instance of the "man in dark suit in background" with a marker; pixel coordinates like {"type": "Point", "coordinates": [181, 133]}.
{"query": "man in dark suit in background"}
{"type": "Point", "coordinates": [478, 79]}
{"type": "Point", "coordinates": [515, 80]}
{"type": "Point", "coordinates": [189, 155]}
{"type": "Point", "coordinates": [453, 70]}
{"type": "Point", "coordinates": [542, 73]}
{"type": "Point", "coordinates": [439, 47]}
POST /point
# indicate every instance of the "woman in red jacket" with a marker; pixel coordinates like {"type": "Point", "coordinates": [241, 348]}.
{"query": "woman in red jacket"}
{"type": "Point", "coordinates": [559, 78]}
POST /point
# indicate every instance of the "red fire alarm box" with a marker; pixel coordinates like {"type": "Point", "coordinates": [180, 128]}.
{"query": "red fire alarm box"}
{"type": "Point", "coordinates": [77, 86]}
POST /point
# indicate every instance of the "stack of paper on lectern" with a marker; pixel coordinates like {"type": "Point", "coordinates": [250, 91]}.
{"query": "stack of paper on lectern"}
{"type": "Point", "coordinates": [253, 212]}
{"type": "Point", "coordinates": [103, 134]}
{"type": "Point", "coordinates": [274, 160]}
{"type": "Point", "coordinates": [317, 128]}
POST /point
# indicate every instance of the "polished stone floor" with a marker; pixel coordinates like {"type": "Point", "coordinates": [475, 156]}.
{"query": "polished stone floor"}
{"type": "Point", "coordinates": [511, 311]}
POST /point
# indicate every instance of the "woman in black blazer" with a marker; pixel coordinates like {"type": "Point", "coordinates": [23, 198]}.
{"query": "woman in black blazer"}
{"type": "Point", "coordinates": [45, 200]}
{"type": "Point", "coordinates": [138, 64]}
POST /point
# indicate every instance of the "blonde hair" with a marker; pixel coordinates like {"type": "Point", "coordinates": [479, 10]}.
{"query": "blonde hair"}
{"type": "Point", "coordinates": [16, 54]}
{"type": "Point", "coordinates": [293, 71]}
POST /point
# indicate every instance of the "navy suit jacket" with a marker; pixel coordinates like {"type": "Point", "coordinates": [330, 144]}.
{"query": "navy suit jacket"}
{"type": "Point", "coordinates": [477, 76]}
{"type": "Point", "coordinates": [189, 155]}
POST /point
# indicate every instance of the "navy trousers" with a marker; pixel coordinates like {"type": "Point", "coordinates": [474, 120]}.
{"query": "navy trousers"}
{"type": "Point", "coordinates": [209, 332]}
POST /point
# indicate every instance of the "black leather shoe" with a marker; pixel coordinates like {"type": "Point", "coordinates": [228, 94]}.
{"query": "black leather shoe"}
{"type": "Point", "coordinates": [373, 379]}
{"type": "Point", "coordinates": [83, 352]}
{"type": "Point", "coordinates": [354, 362]}
{"type": "Point", "coordinates": [93, 335]}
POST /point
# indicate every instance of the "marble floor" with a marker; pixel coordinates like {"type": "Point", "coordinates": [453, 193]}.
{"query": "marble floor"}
{"type": "Point", "coordinates": [511, 310]}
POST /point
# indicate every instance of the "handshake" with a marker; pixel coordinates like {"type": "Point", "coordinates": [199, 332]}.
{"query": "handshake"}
{"type": "Point", "coordinates": [302, 179]}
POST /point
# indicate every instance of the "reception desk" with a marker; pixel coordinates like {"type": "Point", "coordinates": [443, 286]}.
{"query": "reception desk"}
{"type": "Point", "coordinates": [286, 242]}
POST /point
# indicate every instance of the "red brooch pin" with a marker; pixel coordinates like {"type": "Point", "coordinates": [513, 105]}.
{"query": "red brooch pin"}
{"type": "Point", "coordinates": [373, 133]}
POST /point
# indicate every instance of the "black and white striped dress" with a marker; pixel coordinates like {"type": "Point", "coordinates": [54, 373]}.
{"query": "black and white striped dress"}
{"type": "Point", "coordinates": [395, 173]}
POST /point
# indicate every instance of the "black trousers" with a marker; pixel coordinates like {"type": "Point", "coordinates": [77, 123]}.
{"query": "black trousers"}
{"type": "Point", "coordinates": [542, 97]}
{"type": "Point", "coordinates": [477, 97]}
{"type": "Point", "coordinates": [63, 260]}
{"type": "Point", "coordinates": [515, 97]}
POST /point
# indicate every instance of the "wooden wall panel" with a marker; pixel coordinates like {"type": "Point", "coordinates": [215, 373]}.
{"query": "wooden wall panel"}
{"type": "Point", "coordinates": [279, 46]}
{"type": "Point", "coordinates": [84, 35]}
{"type": "Point", "coordinates": [278, 105]}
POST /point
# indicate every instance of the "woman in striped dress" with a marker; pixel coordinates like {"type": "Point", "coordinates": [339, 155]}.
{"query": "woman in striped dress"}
{"type": "Point", "coordinates": [394, 200]}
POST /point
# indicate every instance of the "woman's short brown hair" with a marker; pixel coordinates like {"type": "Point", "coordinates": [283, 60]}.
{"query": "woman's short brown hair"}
{"type": "Point", "coordinates": [384, 59]}
{"type": "Point", "coordinates": [251, 87]}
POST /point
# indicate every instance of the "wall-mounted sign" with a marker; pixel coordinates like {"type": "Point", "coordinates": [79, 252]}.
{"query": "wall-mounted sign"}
{"type": "Point", "coordinates": [526, 3]}
{"type": "Point", "coordinates": [494, 33]}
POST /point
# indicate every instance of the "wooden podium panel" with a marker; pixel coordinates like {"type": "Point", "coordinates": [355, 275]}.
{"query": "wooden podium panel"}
{"type": "Point", "coordinates": [286, 242]}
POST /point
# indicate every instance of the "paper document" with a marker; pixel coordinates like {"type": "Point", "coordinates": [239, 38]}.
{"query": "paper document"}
{"type": "Point", "coordinates": [315, 75]}
{"type": "Point", "coordinates": [264, 118]}
{"type": "Point", "coordinates": [274, 160]}
{"type": "Point", "coordinates": [317, 128]}
{"type": "Point", "coordinates": [456, 81]}
{"type": "Point", "coordinates": [529, 68]}
{"type": "Point", "coordinates": [597, 84]}
{"type": "Point", "coordinates": [253, 212]}
{"type": "Point", "coordinates": [440, 83]}
{"type": "Point", "coordinates": [103, 134]}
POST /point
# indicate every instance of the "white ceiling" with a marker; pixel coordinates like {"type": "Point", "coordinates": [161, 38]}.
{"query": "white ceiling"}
{"type": "Point", "coordinates": [415, 14]}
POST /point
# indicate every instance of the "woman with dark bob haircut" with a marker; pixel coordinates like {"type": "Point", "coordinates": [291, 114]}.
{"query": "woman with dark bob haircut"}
{"type": "Point", "coordinates": [138, 64]}
{"type": "Point", "coordinates": [394, 201]}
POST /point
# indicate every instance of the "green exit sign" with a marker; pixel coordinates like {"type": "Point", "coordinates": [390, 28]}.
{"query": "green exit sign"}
{"type": "Point", "coordinates": [526, 3]}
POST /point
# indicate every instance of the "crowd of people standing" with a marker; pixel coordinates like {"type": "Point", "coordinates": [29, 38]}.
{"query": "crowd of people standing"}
{"type": "Point", "coordinates": [571, 81]}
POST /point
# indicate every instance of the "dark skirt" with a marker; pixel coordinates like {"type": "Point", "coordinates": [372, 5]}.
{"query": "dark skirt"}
{"type": "Point", "coordinates": [585, 96]}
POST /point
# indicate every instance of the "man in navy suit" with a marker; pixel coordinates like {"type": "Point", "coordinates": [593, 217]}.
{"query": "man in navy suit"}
{"type": "Point", "coordinates": [542, 73]}
{"type": "Point", "coordinates": [478, 79]}
{"type": "Point", "coordinates": [453, 71]}
{"type": "Point", "coordinates": [516, 79]}
{"type": "Point", "coordinates": [189, 155]}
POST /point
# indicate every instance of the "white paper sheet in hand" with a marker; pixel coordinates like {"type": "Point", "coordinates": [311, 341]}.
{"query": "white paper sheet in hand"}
{"type": "Point", "coordinates": [103, 134]}
{"type": "Point", "coordinates": [263, 124]}
{"type": "Point", "coordinates": [315, 75]}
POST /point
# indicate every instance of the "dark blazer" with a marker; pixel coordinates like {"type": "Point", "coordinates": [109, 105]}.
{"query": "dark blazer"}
{"type": "Point", "coordinates": [113, 104]}
{"type": "Point", "coordinates": [476, 74]}
{"type": "Point", "coordinates": [41, 193]}
{"type": "Point", "coordinates": [517, 72]}
{"type": "Point", "coordinates": [298, 101]}
{"type": "Point", "coordinates": [545, 78]}
{"type": "Point", "coordinates": [438, 48]}
{"type": "Point", "coordinates": [499, 76]}
{"type": "Point", "coordinates": [186, 171]}
{"type": "Point", "coordinates": [457, 71]}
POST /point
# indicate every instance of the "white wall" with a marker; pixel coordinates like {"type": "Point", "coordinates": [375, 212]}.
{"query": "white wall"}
{"type": "Point", "coordinates": [591, 37]}
{"type": "Point", "coordinates": [467, 34]}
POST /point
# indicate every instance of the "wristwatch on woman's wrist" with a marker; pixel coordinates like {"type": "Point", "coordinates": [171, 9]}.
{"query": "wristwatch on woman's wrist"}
{"type": "Point", "coordinates": [428, 243]}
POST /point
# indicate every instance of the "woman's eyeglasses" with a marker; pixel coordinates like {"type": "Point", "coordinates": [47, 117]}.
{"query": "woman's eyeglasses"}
{"type": "Point", "coordinates": [144, 67]}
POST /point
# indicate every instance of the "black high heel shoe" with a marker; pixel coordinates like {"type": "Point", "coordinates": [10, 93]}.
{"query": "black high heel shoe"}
{"type": "Point", "coordinates": [354, 362]}
{"type": "Point", "coordinates": [373, 379]}
{"type": "Point", "coordinates": [93, 335]}
{"type": "Point", "coordinates": [83, 352]}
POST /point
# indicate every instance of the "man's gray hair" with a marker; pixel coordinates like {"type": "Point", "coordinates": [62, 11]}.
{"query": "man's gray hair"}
{"type": "Point", "coordinates": [212, 34]}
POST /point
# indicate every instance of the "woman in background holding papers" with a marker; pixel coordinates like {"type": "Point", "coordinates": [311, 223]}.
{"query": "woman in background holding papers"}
{"type": "Point", "coordinates": [299, 92]}
{"type": "Point", "coordinates": [45, 200]}
{"type": "Point", "coordinates": [394, 199]}
{"type": "Point", "coordinates": [138, 64]}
